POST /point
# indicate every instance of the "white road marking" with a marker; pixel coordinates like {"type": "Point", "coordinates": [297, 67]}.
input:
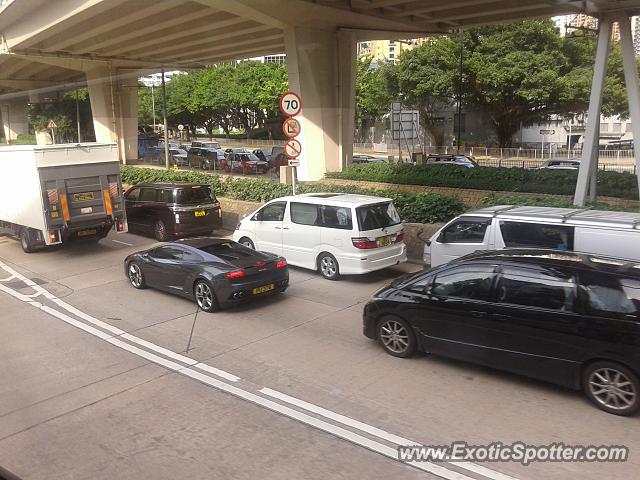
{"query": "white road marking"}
{"type": "Point", "coordinates": [390, 437]}
{"type": "Point", "coordinates": [123, 243]}
{"type": "Point", "coordinates": [11, 277]}
{"type": "Point", "coordinates": [338, 431]}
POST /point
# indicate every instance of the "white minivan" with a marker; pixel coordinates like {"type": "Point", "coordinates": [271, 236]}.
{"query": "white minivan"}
{"type": "Point", "coordinates": [600, 232]}
{"type": "Point", "coordinates": [334, 233]}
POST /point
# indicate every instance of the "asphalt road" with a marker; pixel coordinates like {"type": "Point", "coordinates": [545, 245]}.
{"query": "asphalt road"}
{"type": "Point", "coordinates": [96, 383]}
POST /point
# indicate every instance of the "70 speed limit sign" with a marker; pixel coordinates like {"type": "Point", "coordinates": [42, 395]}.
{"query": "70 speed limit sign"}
{"type": "Point", "coordinates": [290, 104]}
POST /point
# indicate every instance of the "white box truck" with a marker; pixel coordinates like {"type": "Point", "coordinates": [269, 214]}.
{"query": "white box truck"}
{"type": "Point", "coordinates": [54, 193]}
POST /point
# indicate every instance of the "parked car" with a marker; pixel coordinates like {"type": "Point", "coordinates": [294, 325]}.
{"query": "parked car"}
{"type": "Point", "coordinates": [205, 159]}
{"type": "Point", "coordinates": [278, 158]}
{"type": "Point", "coordinates": [240, 160]}
{"type": "Point", "coordinates": [560, 164]}
{"type": "Point", "coordinates": [333, 233]}
{"type": "Point", "coordinates": [215, 272]}
{"type": "Point", "coordinates": [178, 156]}
{"type": "Point", "coordinates": [567, 318]}
{"type": "Point", "coordinates": [172, 209]}
{"type": "Point", "coordinates": [262, 154]}
{"type": "Point", "coordinates": [449, 159]}
{"type": "Point", "coordinates": [206, 147]}
{"type": "Point", "coordinates": [508, 226]}
{"type": "Point", "coordinates": [362, 158]}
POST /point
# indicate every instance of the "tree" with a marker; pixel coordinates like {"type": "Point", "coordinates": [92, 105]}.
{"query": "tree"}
{"type": "Point", "coordinates": [372, 97]}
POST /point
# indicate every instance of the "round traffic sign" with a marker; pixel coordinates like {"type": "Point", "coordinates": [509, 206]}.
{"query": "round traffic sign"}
{"type": "Point", "coordinates": [291, 127]}
{"type": "Point", "coordinates": [292, 148]}
{"type": "Point", "coordinates": [290, 104]}
{"type": "Point", "coordinates": [180, 127]}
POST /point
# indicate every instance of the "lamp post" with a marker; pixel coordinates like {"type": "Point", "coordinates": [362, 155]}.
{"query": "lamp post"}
{"type": "Point", "coordinates": [459, 133]}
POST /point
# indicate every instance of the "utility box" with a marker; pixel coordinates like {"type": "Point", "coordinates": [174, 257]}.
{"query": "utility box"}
{"type": "Point", "coordinates": [286, 175]}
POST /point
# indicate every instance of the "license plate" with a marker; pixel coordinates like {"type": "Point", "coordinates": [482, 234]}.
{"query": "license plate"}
{"type": "Point", "coordinates": [83, 197]}
{"type": "Point", "coordinates": [263, 289]}
{"type": "Point", "coordinates": [87, 233]}
{"type": "Point", "coordinates": [384, 241]}
{"type": "Point", "coordinates": [86, 210]}
{"type": "Point", "coordinates": [200, 213]}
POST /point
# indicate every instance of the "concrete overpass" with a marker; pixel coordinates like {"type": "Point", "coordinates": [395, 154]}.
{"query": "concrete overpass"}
{"type": "Point", "coordinates": [106, 44]}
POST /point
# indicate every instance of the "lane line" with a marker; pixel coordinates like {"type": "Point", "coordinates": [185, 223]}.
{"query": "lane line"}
{"type": "Point", "coordinates": [123, 243]}
{"type": "Point", "coordinates": [364, 427]}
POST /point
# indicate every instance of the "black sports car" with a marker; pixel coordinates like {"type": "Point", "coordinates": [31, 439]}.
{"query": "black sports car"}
{"type": "Point", "coordinates": [215, 272]}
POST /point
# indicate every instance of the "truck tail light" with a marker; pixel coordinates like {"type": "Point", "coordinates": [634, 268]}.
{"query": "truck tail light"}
{"type": "Point", "coordinates": [120, 225]}
{"type": "Point", "coordinates": [363, 243]}
{"type": "Point", "coordinates": [238, 274]}
{"type": "Point", "coordinates": [53, 236]}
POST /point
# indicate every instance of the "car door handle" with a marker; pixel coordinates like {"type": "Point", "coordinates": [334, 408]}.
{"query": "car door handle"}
{"type": "Point", "coordinates": [285, 228]}
{"type": "Point", "coordinates": [476, 314]}
{"type": "Point", "coordinates": [278, 228]}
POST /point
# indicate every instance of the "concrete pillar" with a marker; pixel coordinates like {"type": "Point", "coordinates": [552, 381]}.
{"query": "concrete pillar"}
{"type": "Point", "coordinates": [13, 115]}
{"type": "Point", "coordinates": [114, 106]}
{"type": "Point", "coordinates": [322, 69]}
{"type": "Point", "coordinates": [590, 151]}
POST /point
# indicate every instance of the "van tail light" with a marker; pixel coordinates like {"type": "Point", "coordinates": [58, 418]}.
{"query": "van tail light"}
{"type": "Point", "coordinates": [281, 264]}
{"type": "Point", "coordinates": [238, 274]}
{"type": "Point", "coordinates": [399, 237]}
{"type": "Point", "coordinates": [363, 243]}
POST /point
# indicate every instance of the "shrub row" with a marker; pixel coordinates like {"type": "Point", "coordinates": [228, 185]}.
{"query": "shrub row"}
{"type": "Point", "coordinates": [558, 182]}
{"type": "Point", "coordinates": [413, 207]}
{"type": "Point", "coordinates": [497, 199]}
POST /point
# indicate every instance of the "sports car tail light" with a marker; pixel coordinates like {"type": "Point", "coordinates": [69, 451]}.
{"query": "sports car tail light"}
{"type": "Point", "coordinates": [363, 243]}
{"type": "Point", "coordinates": [281, 264]}
{"type": "Point", "coordinates": [238, 274]}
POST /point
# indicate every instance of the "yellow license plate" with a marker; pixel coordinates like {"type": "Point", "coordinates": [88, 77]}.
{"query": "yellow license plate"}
{"type": "Point", "coordinates": [200, 213]}
{"type": "Point", "coordinates": [83, 197]}
{"type": "Point", "coordinates": [87, 233]}
{"type": "Point", "coordinates": [266, 288]}
{"type": "Point", "coordinates": [384, 241]}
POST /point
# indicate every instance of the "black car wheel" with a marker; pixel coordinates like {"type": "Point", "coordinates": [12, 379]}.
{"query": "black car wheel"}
{"type": "Point", "coordinates": [136, 277]}
{"type": "Point", "coordinates": [205, 297]}
{"type": "Point", "coordinates": [160, 231]}
{"type": "Point", "coordinates": [247, 243]}
{"type": "Point", "coordinates": [396, 336]}
{"type": "Point", "coordinates": [612, 388]}
{"type": "Point", "coordinates": [25, 241]}
{"type": "Point", "coordinates": [328, 266]}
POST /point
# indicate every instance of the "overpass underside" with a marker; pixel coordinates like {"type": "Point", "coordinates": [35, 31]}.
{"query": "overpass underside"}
{"type": "Point", "coordinates": [48, 46]}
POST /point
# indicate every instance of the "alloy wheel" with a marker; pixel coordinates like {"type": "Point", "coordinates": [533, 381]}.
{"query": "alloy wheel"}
{"type": "Point", "coordinates": [394, 336]}
{"type": "Point", "coordinates": [328, 266]}
{"type": "Point", "coordinates": [204, 296]}
{"type": "Point", "coordinates": [612, 388]}
{"type": "Point", "coordinates": [135, 275]}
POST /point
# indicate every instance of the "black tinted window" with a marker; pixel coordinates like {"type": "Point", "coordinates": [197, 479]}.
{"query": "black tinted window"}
{"type": "Point", "coordinates": [336, 217]}
{"type": "Point", "coordinates": [305, 214]}
{"type": "Point", "coordinates": [521, 234]}
{"type": "Point", "coordinates": [194, 195]}
{"type": "Point", "coordinates": [134, 194]}
{"type": "Point", "coordinates": [165, 195]}
{"type": "Point", "coordinates": [228, 251]}
{"type": "Point", "coordinates": [274, 212]}
{"type": "Point", "coordinates": [607, 296]}
{"type": "Point", "coordinates": [167, 253]}
{"type": "Point", "coordinates": [536, 289]}
{"type": "Point", "coordinates": [148, 195]}
{"type": "Point", "coordinates": [465, 231]}
{"type": "Point", "coordinates": [381, 215]}
{"type": "Point", "coordinates": [470, 283]}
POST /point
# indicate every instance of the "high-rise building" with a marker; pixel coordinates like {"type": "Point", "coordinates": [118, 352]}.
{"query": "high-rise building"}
{"type": "Point", "coordinates": [387, 51]}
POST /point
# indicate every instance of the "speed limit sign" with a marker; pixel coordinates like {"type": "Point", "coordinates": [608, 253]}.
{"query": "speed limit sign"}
{"type": "Point", "coordinates": [290, 104]}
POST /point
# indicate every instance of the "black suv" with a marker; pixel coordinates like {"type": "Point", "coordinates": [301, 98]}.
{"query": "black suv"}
{"type": "Point", "coordinates": [172, 209]}
{"type": "Point", "coordinates": [568, 318]}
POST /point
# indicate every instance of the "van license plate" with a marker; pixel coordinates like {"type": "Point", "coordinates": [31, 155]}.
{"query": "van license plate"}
{"type": "Point", "coordinates": [87, 233]}
{"type": "Point", "coordinates": [200, 213]}
{"type": "Point", "coordinates": [263, 289]}
{"type": "Point", "coordinates": [384, 241]}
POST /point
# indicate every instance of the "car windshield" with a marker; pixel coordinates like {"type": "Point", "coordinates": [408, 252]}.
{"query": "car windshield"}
{"type": "Point", "coordinates": [194, 195]}
{"type": "Point", "coordinates": [380, 215]}
{"type": "Point", "coordinates": [248, 157]}
{"type": "Point", "coordinates": [228, 251]}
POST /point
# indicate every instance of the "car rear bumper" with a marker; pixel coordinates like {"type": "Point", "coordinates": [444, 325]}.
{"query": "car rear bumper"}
{"type": "Point", "coordinates": [237, 293]}
{"type": "Point", "coordinates": [372, 260]}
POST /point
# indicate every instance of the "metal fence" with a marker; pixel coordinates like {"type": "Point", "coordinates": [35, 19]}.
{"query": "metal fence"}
{"type": "Point", "coordinates": [532, 164]}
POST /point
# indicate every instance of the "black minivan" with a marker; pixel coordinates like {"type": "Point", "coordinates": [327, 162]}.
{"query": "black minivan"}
{"type": "Point", "coordinates": [564, 317]}
{"type": "Point", "coordinates": [167, 210]}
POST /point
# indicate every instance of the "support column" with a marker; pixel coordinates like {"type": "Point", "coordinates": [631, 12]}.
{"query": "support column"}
{"type": "Point", "coordinates": [322, 70]}
{"type": "Point", "coordinates": [589, 164]}
{"type": "Point", "coordinates": [633, 84]}
{"type": "Point", "coordinates": [14, 118]}
{"type": "Point", "coordinates": [114, 106]}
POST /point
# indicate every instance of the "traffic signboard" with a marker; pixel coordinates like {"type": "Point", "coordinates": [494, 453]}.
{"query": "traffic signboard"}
{"type": "Point", "coordinates": [547, 132]}
{"type": "Point", "coordinates": [291, 127]}
{"type": "Point", "coordinates": [290, 104]}
{"type": "Point", "coordinates": [292, 148]}
{"type": "Point", "coordinates": [52, 124]}
{"type": "Point", "coordinates": [294, 162]}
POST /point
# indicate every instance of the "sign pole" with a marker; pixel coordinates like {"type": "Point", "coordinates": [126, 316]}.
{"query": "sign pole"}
{"type": "Point", "coordinates": [166, 123]}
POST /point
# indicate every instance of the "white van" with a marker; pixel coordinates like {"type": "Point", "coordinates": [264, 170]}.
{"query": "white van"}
{"type": "Point", "coordinates": [334, 233]}
{"type": "Point", "coordinates": [507, 226]}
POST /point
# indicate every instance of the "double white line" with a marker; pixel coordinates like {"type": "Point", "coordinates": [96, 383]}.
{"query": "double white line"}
{"type": "Point", "coordinates": [341, 426]}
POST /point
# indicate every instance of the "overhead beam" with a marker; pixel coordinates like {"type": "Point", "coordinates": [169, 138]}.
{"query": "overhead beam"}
{"type": "Point", "coordinates": [249, 45]}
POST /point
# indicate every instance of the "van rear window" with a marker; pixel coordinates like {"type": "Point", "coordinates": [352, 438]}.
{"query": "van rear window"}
{"type": "Point", "coordinates": [194, 196]}
{"type": "Point", "coordinates": [523, 234]}
{"type": "Point", "coordinates": [380, 215]}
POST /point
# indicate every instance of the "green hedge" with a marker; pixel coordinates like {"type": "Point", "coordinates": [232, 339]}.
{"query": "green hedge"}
{"type": "Point", "coordinates": [413, 207]}
{"type": "Point", "coordinates": [497, 199]}
{"type": "Point", "coordinates": [558, 182]}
